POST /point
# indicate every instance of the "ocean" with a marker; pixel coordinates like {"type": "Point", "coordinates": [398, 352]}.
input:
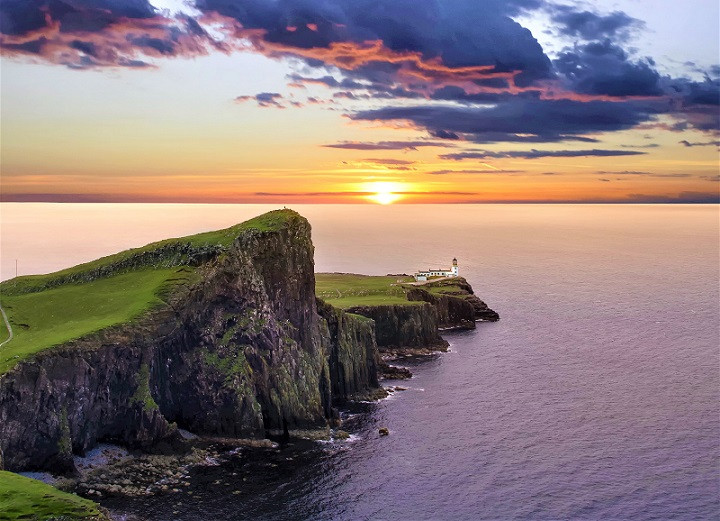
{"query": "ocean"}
{"type": "Point", "coordinates": [595, 397]}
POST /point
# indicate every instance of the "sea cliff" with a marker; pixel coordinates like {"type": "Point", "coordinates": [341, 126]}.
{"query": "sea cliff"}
{"type": "Point", "coordinates": [230, 341]}
{"type": "Point", "coordinates": [239, 349]}
{"type": "Point", "coordinates": [442, 304]}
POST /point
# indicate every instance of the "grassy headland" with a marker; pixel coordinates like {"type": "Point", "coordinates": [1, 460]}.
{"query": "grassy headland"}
{"type": "Point", "coordinates": [47, 318]}
{"type": "Point", "coordinates": [30, 499]}
{"type": "Point", "coordinates": [162, 254]}
{"type": "Point", "coordinates": [347, 290]}
{"type": "Point", "coordinates": [48, 310]}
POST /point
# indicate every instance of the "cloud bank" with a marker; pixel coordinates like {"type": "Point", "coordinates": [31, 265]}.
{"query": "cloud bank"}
{"type": "Point", "coordinates": [461, 70]}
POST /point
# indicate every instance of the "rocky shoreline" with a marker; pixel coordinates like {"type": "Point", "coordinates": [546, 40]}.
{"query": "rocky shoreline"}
{"type": "Point", "coordinates": [119, 473]}
{"type": "Point", "coordinates": [111, 471]}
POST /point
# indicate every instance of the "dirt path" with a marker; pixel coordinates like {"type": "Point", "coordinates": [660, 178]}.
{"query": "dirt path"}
{"type": "Point", "coordinates": [7, 325]}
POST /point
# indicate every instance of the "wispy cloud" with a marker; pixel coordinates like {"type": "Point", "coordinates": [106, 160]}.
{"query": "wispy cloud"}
{"type": "Point", "coordinates": [535, 154]}
{"type": "Point", "coordinates": [700, 143]}
{"type": "Point", "coordinates": [481, 171]}
{"type": "Point", "coordinates": [644, 174]}
{"type": "Point", "coordinates": [389, 161]}
{"type": "Point", "coordinates": [686, 197]}
{"type": "Point", "coordinates": [590, 25]}
{"type": "Point", "coordinates": [387, 145]}
{"type": "Point", "coordinates": [264, 99]}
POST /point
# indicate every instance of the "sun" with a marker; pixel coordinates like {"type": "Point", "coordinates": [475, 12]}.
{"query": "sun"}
{"type": "Point", "coordinates": [383, 192]}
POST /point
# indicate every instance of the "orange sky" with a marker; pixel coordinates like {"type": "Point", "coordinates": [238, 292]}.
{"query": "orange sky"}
{"type": "Point", "coordinates": [190, 129]}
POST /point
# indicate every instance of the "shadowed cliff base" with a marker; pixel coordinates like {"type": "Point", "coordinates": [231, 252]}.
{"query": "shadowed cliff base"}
{"type": "Point", "coordinates": [407, 316]}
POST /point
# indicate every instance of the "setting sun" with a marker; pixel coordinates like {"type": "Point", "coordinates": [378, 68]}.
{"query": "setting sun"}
{"type": "Point", "coordinates": [384, 192]}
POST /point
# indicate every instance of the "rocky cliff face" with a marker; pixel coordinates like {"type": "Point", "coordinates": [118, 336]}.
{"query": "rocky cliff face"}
{"type": "Point", "coordinates": [401, 326]}
{"type": "Point", "coordinates": [457, 305]}
{"type": "Point", "coordinates": [353, 360]}
{"type": "Point", "coordinates": [416, 326]}
{"type": "Point", "coordinates": [242, 351]}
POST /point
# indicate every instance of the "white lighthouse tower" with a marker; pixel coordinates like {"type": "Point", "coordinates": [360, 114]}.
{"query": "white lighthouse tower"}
{"type": "Point", "coordinates": [454, 268]}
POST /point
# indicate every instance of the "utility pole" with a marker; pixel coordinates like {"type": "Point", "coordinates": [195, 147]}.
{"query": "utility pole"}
{"type": "Point", "coordinates": [16, 267]}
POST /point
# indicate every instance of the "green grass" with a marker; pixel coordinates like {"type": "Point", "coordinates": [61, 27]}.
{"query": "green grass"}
{"type": "Point", "coordinates": [346, 290]}
{"type": "Point", "coordinates": [47, 318]}
{"type": "Point", "coordinates": [166, 253]}
{"type": "Point", "coordinates": [48, 310]}
{"type": "Point", "coordinates": [445, 288]}
{"type": "Point", "coordinates": [30, 499]}
{"type": "Point", "coordinates": [4, 333]}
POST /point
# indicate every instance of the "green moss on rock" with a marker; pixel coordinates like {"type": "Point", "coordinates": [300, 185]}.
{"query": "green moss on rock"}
{"type": "Point", "coordinates": [65, 442]}
{"type": "Point", "coordinates": [142, 393]}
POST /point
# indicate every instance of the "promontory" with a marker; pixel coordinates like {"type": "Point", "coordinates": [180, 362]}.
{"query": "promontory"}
{"type": "Point", "coordinates": [220, 333]}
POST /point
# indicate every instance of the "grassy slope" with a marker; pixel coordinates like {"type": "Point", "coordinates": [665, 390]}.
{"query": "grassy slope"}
{"type": "Point", "coordinates": [218, 238]}
{"type": "Point", "coordinates": [345, 290]}
{"type": "Point", "coordinates": [47, 310]}
{"type": "Point", "coordinates": [445, 290]}
{"type": "Point", "coordinates": [47, 318]}
{"type": "Point", "coordinates": [25, 498]}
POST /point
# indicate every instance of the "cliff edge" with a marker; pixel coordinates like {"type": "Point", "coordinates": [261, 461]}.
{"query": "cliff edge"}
{"type": "Point", "coordinates": [229, 342]}
{"type": "Point", "coordinates": [219, 333]}
{"type": "Point", "coordinates": [407, 316]}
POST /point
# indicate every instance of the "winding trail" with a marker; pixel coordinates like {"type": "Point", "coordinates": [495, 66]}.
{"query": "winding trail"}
{"type": "Point", "coordinates": [7, 325]}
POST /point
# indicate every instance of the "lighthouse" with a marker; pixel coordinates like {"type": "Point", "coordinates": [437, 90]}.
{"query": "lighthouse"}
{"type": "Point", "coordinates": [426, 275]}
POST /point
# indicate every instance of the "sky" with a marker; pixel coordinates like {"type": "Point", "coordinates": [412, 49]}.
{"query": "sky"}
{"type": "Point", "coordinates": [359, 101]}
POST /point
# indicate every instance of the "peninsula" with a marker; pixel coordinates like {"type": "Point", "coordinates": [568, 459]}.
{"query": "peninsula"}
{"type": "Point", "coordinates": [227, 333]}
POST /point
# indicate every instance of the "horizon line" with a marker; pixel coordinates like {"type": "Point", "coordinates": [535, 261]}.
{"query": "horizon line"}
{"type": "Point", "coordinates": [100, 200]}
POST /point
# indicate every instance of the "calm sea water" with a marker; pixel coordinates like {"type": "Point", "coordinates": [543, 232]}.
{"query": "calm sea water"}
{"type": "Point", "coordinates": [596, 396]}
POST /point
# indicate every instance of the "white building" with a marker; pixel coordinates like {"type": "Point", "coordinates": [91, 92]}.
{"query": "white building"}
{"type": "Point", "coordinates": [425, 275]}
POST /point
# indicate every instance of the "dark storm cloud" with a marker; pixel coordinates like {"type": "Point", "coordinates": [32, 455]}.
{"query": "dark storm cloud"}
{"type": "Point", "coordinates": [519, 120]}
{"type": "Point", "coordinates": [464, 34]}
{"type": "Point", "coordinates": [19, 17]}
{"type": "Point", "coordinates": [535, 154]}
{"type": "Point", "coordinates": [593, 26]}
{"type": "Point", "coordinates": [699, 93]}
{"type": "Point", "coordinates": [697, 102]}
{"type": "Point", "coordinates": [458, 94]}
{"type": "Point", "coordinates": [387, 145]}
{"type": "Point", "coordinates": [463, 52]}
{"type": "Point", "coordinates": [603, 68]}
{"type": "Point", "coordinates": [84, 34]}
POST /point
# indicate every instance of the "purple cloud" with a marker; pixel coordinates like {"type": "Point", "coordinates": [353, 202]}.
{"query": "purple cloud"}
{"type": "Point", "coordinates": [387, 145]}
{"type": "Point", "coordinates": [535, 154]}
